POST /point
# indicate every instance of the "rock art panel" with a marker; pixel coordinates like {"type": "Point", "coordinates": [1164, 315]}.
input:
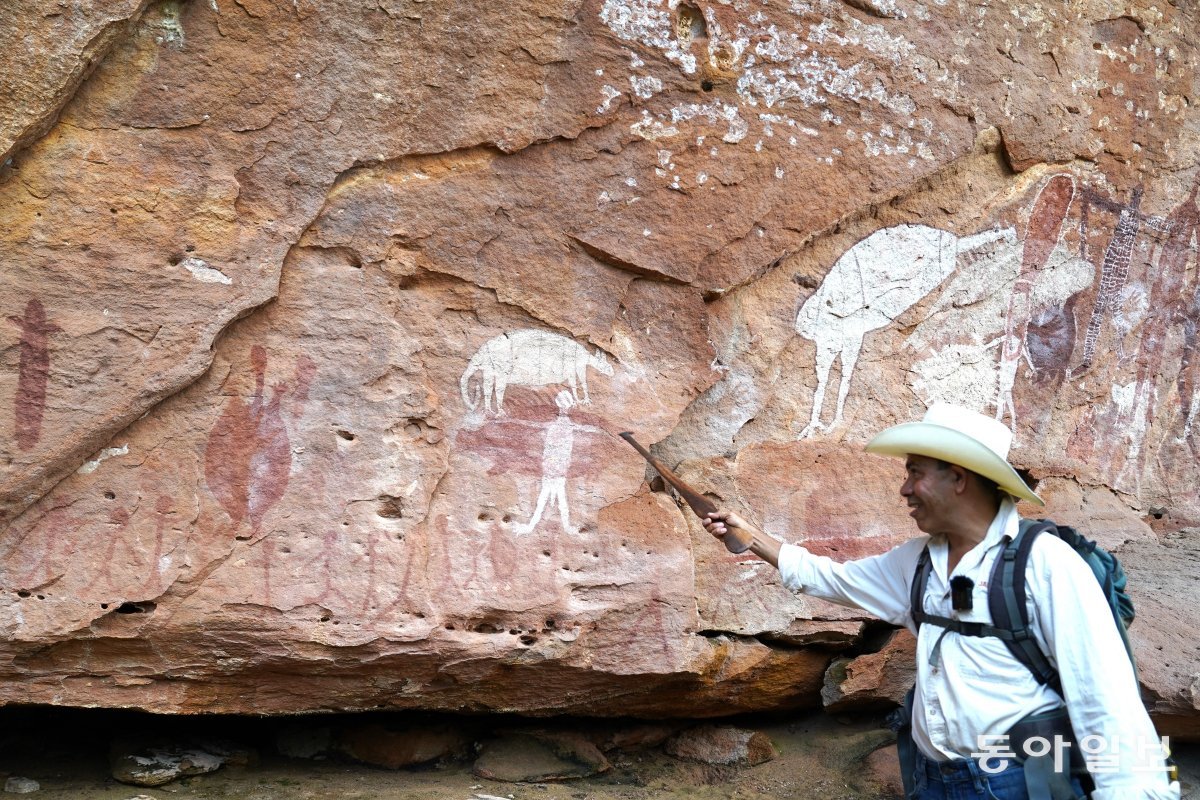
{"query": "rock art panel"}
{"type": "Point", "coordinates": [192, 159]}
{"type": "Point", "coordinates": [295, 228]}
{"type": "Point", "coordinates": [1137, 313]}
{"type": "Point", "coordinates": [868, 287]}
{"type": "Point", "coordinates": [1043, 232]}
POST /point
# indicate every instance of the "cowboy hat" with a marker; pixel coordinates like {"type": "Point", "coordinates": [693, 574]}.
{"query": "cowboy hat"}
{"type": "Point", "coordinates": [960, 436]}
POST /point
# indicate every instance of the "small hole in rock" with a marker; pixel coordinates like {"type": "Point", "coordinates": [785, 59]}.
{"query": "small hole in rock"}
{"type": "Point", "coordinates": [347, 435]}
{"type": "Point", "coordinates": [110, 495]}
{"type": "Point", "coordinates": [706, 85]}
{"type": "Point", "coordinates": [135, 608]}
{"type": "Point", "coordinates": [22, 593]}
{"type": "Point", "coordinates": [390, 507]}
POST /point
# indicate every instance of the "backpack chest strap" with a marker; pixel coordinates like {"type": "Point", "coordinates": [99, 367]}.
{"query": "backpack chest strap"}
{"type": "Point", "coordinates": [965, 628]}
{"type": "Point", "coordinates": [1006, 602]}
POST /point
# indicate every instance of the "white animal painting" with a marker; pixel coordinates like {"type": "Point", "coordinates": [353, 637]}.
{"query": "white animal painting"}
{"type": "Point", "coordinates": [529, 358]}
{"type": "Point", "coordinates": [556, 460]}
{"type": "Point", "coordinates": [871, 284]}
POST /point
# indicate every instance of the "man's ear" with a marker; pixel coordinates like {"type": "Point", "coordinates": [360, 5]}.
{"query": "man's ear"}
{"type": "Point", "coordinates": [962, 478]}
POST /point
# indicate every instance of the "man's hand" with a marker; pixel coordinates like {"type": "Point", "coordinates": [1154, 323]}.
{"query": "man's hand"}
{"type": "Point", "coordinates": [719, 522]}
{"type": "Point", "coordinates": [723, 522]}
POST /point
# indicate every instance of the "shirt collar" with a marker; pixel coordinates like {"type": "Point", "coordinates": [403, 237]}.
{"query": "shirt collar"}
{"type": "Point", "coordinates": [1006, 523]}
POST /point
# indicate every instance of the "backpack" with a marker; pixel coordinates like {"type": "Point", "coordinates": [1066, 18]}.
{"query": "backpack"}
{"type": "Point", "coordinates": [1006, 596]}
{"type": "Point", "coordinates": [1010, 623]}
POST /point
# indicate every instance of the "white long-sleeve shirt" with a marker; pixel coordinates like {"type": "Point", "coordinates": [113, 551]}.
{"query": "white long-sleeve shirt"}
{"type": "Point", "coordinates": [976, 690]}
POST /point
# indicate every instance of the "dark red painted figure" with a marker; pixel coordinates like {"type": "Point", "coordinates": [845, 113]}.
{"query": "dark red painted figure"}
{"type": "Point", "coordinates": [30, 401]}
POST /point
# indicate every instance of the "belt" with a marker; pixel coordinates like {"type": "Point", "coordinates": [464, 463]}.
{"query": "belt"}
{"type": "Point", "coordinates": [965, 769]}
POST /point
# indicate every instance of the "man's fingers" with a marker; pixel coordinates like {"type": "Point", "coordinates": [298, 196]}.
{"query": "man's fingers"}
{"type": "Point", "coordinates": [719, 522]}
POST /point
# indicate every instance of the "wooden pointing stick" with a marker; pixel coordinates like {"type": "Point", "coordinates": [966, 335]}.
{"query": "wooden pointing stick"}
{"type": "Point", "coordinates": [737, 540]}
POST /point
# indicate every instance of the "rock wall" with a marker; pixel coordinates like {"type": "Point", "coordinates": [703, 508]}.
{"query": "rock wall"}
{"type": "Point", "coordinates": [321, 318]}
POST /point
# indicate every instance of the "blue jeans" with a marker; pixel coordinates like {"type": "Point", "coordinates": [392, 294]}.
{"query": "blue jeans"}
{"type": "Point", "coordinates": [964, 780]}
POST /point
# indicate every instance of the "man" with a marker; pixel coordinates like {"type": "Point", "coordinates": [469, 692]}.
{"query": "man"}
{"type": "Point", "coordinates": [971, 691]}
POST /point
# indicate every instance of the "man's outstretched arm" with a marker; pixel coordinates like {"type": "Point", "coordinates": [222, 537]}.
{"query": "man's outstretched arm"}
{"type": "Point", "coordinates": [877, 584]}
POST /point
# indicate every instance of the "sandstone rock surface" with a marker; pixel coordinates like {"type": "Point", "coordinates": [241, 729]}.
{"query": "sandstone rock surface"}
{"type": "Point", "coordinates": [722, 745]}
{"type": "Point", "coordinates": [528, 757]}
{"type": "Point", "coordinates": [875, 680]}
{"type": "Point", "coordinates": [319, 320]}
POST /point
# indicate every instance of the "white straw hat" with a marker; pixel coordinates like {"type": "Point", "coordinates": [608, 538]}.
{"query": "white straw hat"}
{"type": "Point", "coordinates": [960, 436]}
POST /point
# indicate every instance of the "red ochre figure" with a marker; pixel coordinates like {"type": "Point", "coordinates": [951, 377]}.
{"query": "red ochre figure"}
{"type": "Point", "coordinates": [30, 401]}
{"type": "Point", "coordinates": [248, 458]}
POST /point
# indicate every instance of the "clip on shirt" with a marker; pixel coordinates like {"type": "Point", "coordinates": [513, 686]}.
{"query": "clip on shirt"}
{"type": "Point", "coordinates": [961, 599]}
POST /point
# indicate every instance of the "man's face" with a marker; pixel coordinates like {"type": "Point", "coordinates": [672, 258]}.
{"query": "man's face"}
{"type": "Point", "coordinates": [929, 491]}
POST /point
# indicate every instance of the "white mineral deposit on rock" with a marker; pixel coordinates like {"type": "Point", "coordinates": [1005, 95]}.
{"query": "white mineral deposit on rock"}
{"type": "Point", "coordinates": [202, 272]}
{"type": "Point", "coordinates": [105, 454]}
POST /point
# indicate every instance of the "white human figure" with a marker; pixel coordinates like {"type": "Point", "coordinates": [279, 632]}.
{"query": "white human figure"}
{"type": "Point", "coordinates": [871, 284]}
{"type": "Point", "coordinates": [556, 460]}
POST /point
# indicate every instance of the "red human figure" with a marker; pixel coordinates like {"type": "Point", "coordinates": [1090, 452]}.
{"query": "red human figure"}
{"type": "Point", "coordinates": [1042, 235]}
{"type": "Point", "coordinates": [249, 458]}
{"type": "Point", "coordinates": [119, 520]}
{"type": "Point", "coordinates": [34, 372]}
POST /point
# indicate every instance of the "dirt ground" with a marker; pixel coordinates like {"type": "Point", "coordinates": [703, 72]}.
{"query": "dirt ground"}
{"type": "Point", "coordinates": [819, 757]}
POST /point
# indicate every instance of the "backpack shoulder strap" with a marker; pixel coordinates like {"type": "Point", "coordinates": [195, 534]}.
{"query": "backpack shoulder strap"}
{"type": "Point", "coordinates": [1006, 602]}
{"type": "Point", "coordinates": [916, 596]}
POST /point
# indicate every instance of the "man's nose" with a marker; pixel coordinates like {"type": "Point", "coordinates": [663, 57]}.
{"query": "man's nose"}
{"type": "Point", "coordinates": [906, 487]}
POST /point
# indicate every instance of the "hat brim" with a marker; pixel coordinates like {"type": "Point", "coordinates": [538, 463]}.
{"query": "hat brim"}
{"type": "Point", "coordinates": [947, 444]}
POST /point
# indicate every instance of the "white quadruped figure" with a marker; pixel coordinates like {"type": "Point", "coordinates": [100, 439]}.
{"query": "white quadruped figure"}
{"type": "Point", "coordinates": [529, 358]}
{"type": "Point", "coordinates": [871, 284]}
{"type": "Point", "coordinates": [556, 460]}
